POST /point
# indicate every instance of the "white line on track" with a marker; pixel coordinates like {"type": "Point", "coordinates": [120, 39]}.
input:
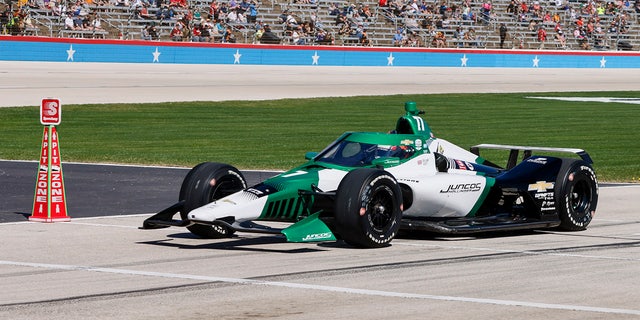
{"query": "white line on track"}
{"type": "Point", "coordinates": [325, 288]}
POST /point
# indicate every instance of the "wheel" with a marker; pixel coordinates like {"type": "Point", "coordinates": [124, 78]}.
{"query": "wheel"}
{"type": "Point", "coordinates": [576, 194]}
{"type": "Point", "coordinates": [205, 183]}
{"type": "Point", "coordinates": [368, 208]}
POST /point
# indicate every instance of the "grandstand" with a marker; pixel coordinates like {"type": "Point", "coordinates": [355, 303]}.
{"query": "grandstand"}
{"type": "Point", "coordinates": [418, 23]}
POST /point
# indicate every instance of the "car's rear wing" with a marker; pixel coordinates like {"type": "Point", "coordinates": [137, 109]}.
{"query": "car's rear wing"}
{"type": "Point", "coordinates": [514, 150]}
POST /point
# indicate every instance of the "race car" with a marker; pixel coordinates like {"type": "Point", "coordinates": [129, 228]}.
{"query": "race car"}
{"type": "Point", "coordinates": [365, 187]}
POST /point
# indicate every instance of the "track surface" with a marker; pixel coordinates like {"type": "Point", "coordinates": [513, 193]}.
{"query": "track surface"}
{"type": "Point", "coordinates": [26, 83]}
{"type": "Point", "coordinates": [102, 267]}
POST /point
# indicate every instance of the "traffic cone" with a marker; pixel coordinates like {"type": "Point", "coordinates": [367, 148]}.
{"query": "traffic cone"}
{"type": "Point", "coordinates": [49, 203]}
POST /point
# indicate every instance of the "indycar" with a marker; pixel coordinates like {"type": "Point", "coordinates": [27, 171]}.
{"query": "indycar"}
{"type": "Point", "coordinates": [366, 187]}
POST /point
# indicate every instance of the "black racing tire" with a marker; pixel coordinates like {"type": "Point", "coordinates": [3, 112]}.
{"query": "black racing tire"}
{"type": "Point", "coordinates": [205, 183]}
{"type": "Point", "coordinates": [576, 194]}
{"type": "Point", "coordinates": [368, 208]}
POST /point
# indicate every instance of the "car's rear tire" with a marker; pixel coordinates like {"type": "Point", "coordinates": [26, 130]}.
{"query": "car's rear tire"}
{"type": "Point", "coordinates": [368, 208]}
{"type": "Point", "coordinates": [205, 183]}
{"type": "Point", "coordinates": [576, 194]}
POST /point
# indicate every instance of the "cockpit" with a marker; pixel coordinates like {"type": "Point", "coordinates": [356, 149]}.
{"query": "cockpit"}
{"type": "Point", "coordinates": [360, 154]}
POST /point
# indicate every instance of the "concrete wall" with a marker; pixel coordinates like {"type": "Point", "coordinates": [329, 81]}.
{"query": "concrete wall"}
{"type": "Point", "coordinates": [88, 50]}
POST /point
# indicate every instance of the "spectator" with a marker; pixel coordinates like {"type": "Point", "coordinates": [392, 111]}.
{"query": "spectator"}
{"type": "Point", "coordinates": [512, 8]}
{"type": "Point", "coordinates": [269, 37]}
{"type": "Point", "coordinates": [228, 36]}
{"type": "Point", "coordinates": [398, 38]}
{"type": "Point", "coordinates": [542, 36]}
{"type": "Point", "coordinates": [180, 4]}
{"type": "Point", "coordinates": [581, 38]}
{"type": "Point", "coordinates": [413, 40]}
{"type": "Point", "coordinates": [243, 6]}
{"type": "Point", "coordinates": [503, 34]}
{"type": "Point", "coordinates": [143, 13]}
{"type": "Point", "coordinates": [69, 24]}
{"type": "Point", "coordinates": [252, 12]}
{"type": "Point", "coordinates": [207, 30]}
{"type": "Point", "coordinates": [411, 24]}
{"type": "Point", "coordinates": [345, 30]}
{"type": "Point", "coordinates": [364, 38]}
{"type": "Point", "coordinates": [324, 38]}
{"type": "Point", "coordinates": [297, 36]}
{"type": "Point", "coordinates": [458, 36]}
{"type": "Point", "coordinates": [440, 40]}
{"type": "Point", "coordinates": [164, 13]}
{"type": "Point", "coordinates": [144, 33]}
{"type": "Point", "coordinates": [176, 32]}
{"type": "Point", "coordinates": [219, 28]}
{"type": "Point", "coordinates": [486, 12]}
{"type": "Point", "coordinates": [471, 38]}
{"type": "Point", "coordinates": [213, 10]}
{"type": "Point", "coordinates": [333, 10]}
{"type": "Point", "coordinates": [366, 13]}
{"type": "Point", "coordinates": [5, 15]}
{"type": "Point", "coordinates": [258, 35]}
{"type": "Point", "coordinates": [467, 14]}
{"type": "Point", "coordinates": [95, 23]}
{"type": "Point", "coordinates": [196, 33]}
{"type": "Point", "coordinates": [562, 41]}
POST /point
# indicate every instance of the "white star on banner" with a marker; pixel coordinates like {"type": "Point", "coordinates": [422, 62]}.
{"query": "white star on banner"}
{"type": "Point", "coordinates": [236, 57]}
{"type": "Point", "coordinates": [603, 63]}
{"type": "Point", "coordinates": [535, 62]}
{"type": "Point", "coordinates": [156, 55]}
{"type": "Point", "coordinates": [70, 53]}
{"type": "Point", "coordinates": [315, 58]}
{"type": "Point", "coordinates": [463, 61]}
{"type": "Point", "coordinates": [390, 59]}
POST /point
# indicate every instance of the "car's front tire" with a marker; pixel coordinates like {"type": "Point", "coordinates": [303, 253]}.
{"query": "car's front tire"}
{"type": "Point", "coordinates": [368, 208]}
{"type": "Point", "coordinates": [205, 183]}
{"type": "Point", "coordinates": [576, 194]}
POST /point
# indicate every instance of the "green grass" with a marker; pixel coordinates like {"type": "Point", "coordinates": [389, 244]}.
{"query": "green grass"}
{"type": "Point", "coordinates": [276, 134]}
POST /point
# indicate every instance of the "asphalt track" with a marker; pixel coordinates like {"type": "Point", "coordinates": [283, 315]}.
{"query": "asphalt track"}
{"type": "Point", "coordinates": [101, 266]}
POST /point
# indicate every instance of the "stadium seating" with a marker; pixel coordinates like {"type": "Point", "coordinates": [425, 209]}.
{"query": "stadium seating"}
{"type": "Point", "coordinates": [125, 22]}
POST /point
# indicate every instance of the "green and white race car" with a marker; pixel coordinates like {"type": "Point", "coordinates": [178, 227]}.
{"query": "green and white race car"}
{"type": "Point", "coordinates": [366, 186]}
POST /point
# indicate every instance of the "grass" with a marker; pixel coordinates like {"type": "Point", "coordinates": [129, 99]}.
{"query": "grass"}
{"type": "Point", "coordinates": [276, 134]}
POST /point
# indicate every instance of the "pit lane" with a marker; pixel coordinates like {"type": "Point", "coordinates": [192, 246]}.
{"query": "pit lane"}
{"type": "Point", "coordinates": [104, 268]}
{"type": "Point", "coordinates": [101, 266]}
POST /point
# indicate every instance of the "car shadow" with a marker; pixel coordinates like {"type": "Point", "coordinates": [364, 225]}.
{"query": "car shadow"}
{"type": "Point", "coordinates": [432, 236]}
{"type": "Point", "coordinates": [235, 243]}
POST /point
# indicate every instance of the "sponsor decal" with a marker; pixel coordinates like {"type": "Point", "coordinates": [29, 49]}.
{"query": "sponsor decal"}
{"type": "Point", "coordinates": [463, 187]}
{"type": "Point", "coordinates": [50, 110]}
{"type": "Point", "coordinates": [548, 206]}
{"type": "Point", "coordinates": [418, 144]}
{"type": "Point", "coordinates": [541, 186]}
{"type": "Point", "coordinates": [463, 165]}
{"type": "Point", "coordinates": [255, 192]}
{"type": "Point", "coordinates": [423, 161]}
{"type": "Point", "coordinates": [545, 196]}
{"type": "Point", "coordinates": [537, 160]}
{"type": "Point", "coordinates": [406, 142]}
{"type": "Point", "coordinates": [317, 236]}
{"type": "Point", "coordinates": [419, 123]}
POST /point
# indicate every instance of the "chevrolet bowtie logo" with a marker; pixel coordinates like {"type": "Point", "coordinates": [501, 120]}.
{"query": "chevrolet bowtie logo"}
{"type": "Point", "coordinates": [541, 186]}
